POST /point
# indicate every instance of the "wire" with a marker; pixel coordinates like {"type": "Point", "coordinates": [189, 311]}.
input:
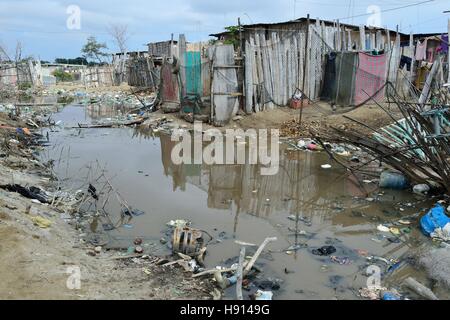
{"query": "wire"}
{"type": "Point", "coordinates": [388, 10]}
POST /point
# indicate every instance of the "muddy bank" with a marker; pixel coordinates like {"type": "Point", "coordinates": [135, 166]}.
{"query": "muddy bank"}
{"type": "Point", "coordinates": [41, 249]}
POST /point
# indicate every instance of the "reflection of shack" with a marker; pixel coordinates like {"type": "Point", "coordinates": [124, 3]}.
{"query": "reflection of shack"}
{"type": "Point", "coordinates": [180, 173]}
{"type": "Point", "coordinates": [100, 111]}
{"type": "Point", "coordinates": [299, 187]}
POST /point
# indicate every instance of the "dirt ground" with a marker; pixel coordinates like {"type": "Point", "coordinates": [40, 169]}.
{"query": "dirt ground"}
{"type": "Point", "coordinates": [319, 116]}
{"type": "Point", "coordinates": [36, 262]}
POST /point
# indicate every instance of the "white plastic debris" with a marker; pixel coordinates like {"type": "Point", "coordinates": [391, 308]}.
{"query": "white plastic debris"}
{"type": "Point", "coordinates": [263, 295]}
{"type": "Point", "coordinates": [382, 228]}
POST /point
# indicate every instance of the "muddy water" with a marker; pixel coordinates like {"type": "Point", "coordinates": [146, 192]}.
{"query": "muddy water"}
{"type": "Point", "coordinates": [303, 206]}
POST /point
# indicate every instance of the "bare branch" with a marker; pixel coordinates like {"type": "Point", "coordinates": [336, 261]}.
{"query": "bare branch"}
{"type": "Point", "coordinates": [120, 35]}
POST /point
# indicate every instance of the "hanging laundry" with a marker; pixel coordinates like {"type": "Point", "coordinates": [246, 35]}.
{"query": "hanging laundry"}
{"type": "Point", "coordinates": [405, 61]}
{"type": "Point", "coordinates": [430, 55]}
{"type": "Point", "coordinates": [421, 50]}
{"type": "Point", "coordinates": [370, 78]}
{"type": "Point", "coordinates": [443, 48]}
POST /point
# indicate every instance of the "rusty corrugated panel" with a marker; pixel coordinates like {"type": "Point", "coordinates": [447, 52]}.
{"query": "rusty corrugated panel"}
{"type": "Point", "coordinates": [170, 90]}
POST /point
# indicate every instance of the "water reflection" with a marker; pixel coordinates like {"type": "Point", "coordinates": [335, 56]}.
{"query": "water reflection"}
{"type": "Point", "coordinates": [300, 188]}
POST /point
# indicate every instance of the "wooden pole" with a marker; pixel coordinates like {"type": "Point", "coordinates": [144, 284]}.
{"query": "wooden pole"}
{"type": "Point", "coordinates": [242, 72]}
{"type": "Point", "coordinates": [304, 69]}
{"type": "Point", "coordinates": [240, 274]}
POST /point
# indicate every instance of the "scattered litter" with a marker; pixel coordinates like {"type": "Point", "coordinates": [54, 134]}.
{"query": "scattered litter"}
{"type": "Point", "coordinates": [395, 231]}
{"type": "Point", "coordinates": [393, 180]}
{"type": "Point", "coordinates": [341, 260]}
{"type": "Point", "coordinates": [421, 189]}
{"type": "Point", "coordinates": [390, 296]}
{"type": "Point", "coordinates": [178, 223]}
{"type": "Point", "coordinates": [263, 295]}
{"type": "Point", "coordinates": [324, 251]}
{"type": "Point", "coordinates": [41, 222]}
{"type": "Point", "coordinates": [382, 228]}
{"type": "Point", "coordinates": [433, 220]}
{"type": "Point", "coordinates": [187, 240]}
{"type": "Point", "coordinates": [371, 293]}
{"type": "Point", "coordinates": [134, 212]}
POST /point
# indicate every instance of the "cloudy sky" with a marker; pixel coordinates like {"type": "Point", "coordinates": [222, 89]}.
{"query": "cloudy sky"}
{"type": "Point", "coordinates": [41, 25]}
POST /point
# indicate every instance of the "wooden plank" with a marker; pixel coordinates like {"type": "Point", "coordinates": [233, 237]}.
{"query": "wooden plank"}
{"type": "Point", "coordinates": [268, 81]}
{"type": "Point", "coordinates": [362, 37]}
{"type": "Point", "coordinates": [224, 81]}
{"type": "Point", "coordinates": [248, 78]}
{"type": "Point", "coordinates": [259, 71]}
{"type": "Point", "coordinates": [181, 57]}
{"type": "Point", "coordinates": [254, 72]}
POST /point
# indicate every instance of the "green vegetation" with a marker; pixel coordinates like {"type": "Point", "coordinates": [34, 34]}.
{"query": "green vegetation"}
{"type": "Point", "coordinates": [78, 61]}
{"type": "Point", "coordinates": [94, 50]}
{"type": "Point", "coordinates": [22, 86]}
{"type": "Point", "coordinates": [62, 76]}
{"type": "Point", "coordinates": [234, 36]}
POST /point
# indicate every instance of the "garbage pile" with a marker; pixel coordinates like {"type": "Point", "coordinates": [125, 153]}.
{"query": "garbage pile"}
{"type": "Point", "coordinates": [417, 146]}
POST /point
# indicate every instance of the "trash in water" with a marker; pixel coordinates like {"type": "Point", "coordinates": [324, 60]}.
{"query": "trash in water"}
{"type": "Point", "coordinates": [390, 296]}
{"type": "Point", "coordinates": [421, 189]}
{"type": "Point", "coordinates": [108, 227]}
{"type": "Point", "coordinates": [395, 231]}
{"type": "Point", "coordinates": [134, 212]}
{"type": "Point", "coordinates": [434, 220]}
{"type": "Point", "coordinates": [263, 295]}
{"type": "Point", "coordinates": [187, 240]}
{"type": "Point", "coordinates": [341, 260]}
{"type": "Point", "coordinates": [178, 223]}
{"type": "Point", "coordinates": [93, 191]}
{"type": "Point", "coordinates": [393, 180]}
{"type": "Point", "coordinates": [382, 228]}
{"type": "Point", "coordinates": [326, 166]}
{"type": "Point", "coordinates": [324, 251]}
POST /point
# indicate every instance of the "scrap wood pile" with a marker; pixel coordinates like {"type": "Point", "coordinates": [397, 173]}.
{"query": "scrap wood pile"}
{"type": "Point", "coordinates": [190, 248]}
{"type": "Point", "coordinates": [417, 146]}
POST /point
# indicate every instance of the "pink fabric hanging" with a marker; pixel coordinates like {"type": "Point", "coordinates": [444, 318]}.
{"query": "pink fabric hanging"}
{"type": "Point", "coordinates": [370, 78]}
{"type": "Point", "coordinates": [421, 50]}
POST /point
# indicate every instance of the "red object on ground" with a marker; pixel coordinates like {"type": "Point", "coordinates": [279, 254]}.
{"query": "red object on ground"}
{"type": "Point", "coordinates": [297, 104]}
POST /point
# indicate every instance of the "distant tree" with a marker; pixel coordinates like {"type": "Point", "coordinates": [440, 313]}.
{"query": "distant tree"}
{"type": "Point", "coordinates": [62, 76]}
{"type": "Point", "coordinates": [94, 50]}
{"type": "Point", "coordinates": [120, 35]}
{"type": "Point", "coordinates": [77, 61]}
